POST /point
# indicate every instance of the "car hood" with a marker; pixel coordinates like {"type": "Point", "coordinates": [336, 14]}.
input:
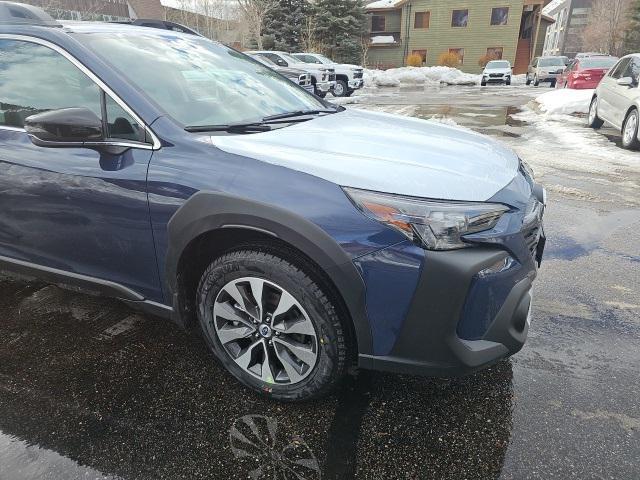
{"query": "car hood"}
{"type": "Point", "coordinates": [289, 71]}
{"type": "Point", "coordinates": [386, 153]}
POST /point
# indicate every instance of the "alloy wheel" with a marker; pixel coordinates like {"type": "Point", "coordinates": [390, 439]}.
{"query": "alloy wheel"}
{"type": "Point", "coordinates": [630, 128]}
{"type": "Point", "coordinates": [592, 111]}
{"type": "Point", "coordinates": [338, 90]}
{"type": "Point", "coordinates": [265, 330]}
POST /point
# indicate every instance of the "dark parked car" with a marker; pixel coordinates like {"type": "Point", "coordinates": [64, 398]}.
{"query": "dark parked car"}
{"type": "Point", "coordinates": [297, 237]}
{"type": "Point", "coordinates": [297, 76]}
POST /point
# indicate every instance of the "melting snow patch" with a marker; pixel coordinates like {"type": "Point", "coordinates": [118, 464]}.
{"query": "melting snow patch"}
{"type": "Point", "coordinates": [565, 101]}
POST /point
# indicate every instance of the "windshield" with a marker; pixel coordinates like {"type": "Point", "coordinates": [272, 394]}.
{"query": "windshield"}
{"type": "Point", "coordinates": [197, 81]}
{"type": "Point", "coordinates": [323, 59]}
{"type": "Point", "coordinates": [551, 62]}
{"type": "Point", "coordinates": [598, 62]}
{"type": "Point", "coordinates": [498, 64]}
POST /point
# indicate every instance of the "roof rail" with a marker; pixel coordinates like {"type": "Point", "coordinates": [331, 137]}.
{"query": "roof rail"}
{"type": "Point", "coordinates": [22, 14]}
{"type": "Point", "coordinates": [161, 24]}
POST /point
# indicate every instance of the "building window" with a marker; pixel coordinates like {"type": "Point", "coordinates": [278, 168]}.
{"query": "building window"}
{"type": "Point", "coordinates": [460, 18]}
{"type": "Point", "coordinates": [422, 53]}
{"type": "Point", "coordinates": [377, 23]}
{"type": "Point", "coordinates": [422, 20]}
{"type": "Point", "coordinates": [459, 52]}
{"type": "Point", "coordinates": [499, 15]}
{"type": "Point", "coordinates": [495, 53]}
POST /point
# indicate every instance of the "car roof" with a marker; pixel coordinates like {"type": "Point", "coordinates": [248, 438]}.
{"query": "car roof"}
{"type": "Point", "coordinates": [113, 27]}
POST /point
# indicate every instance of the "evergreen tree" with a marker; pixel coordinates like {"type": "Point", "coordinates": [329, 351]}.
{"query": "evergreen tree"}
{"type": "Point", "coordinates": [284, 25]}
{"type": "Point", "coordinates": [339, 26]}
{"type": "Point", "coordinates": [632, 34]}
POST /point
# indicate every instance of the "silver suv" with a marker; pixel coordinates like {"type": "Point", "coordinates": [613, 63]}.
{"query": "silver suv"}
{"type": "Point", "coordinates": [545, 69]}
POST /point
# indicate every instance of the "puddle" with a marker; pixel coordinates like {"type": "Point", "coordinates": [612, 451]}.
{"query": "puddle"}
{"type": "Point", "coordinates": [31, 462]}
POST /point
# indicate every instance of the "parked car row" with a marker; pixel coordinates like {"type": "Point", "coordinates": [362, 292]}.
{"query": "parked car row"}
{"type": "Point", "coordinates": [326, 75]}
{"type": "Point", "coordinates": [585, 72]}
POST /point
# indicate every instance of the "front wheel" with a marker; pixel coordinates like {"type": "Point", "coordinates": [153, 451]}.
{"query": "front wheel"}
{"type": "Point", "coordinates": [321, 94]}
{"type": "Point", "coordinates": [271, 325]}
{"type": "Point", "coordinates": [341, 89]}
{"type": "Point", "coordinates": [536, 82]}
{"type": "Point", "coordinates": [528, 80]}
{"type": "Point", "coordinates": [593, 120]}
{"type": "Point", "coordinates": [553, 83]}
{"type": "Point", "coordinates": [630, 130]}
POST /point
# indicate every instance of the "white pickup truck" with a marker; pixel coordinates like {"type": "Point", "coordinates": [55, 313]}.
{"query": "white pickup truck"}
{"type": "Point", "coordinates": [323, 77]}
{"type": "Point", "coordinates": [348, 77]}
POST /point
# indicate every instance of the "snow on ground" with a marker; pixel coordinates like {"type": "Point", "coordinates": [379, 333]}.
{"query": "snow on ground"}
{"type": "Point", "coordinates": [565, 101]}
{"type": "Point", "coordinates": [418, 75]}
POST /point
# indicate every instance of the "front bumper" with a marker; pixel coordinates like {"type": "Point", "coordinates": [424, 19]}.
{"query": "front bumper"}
{"type": "Point", "coordinates": [356, 84]}
{"type": "Point", "coordinates": [325, 87]}
{"type": "Point", "coordinates": [450, 313]}
{"type": "Point", "coordinates": [547, 77]}
{"type": "Point", "coordinates": [430, 341]}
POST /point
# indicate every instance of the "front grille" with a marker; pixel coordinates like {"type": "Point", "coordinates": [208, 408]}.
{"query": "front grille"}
{"type": "Point", "coordinates": [332, 77]}
{"type": "Point", "coordinates": [357, 74]}
{"type": "Point", "coordinates": [495, 75]}
{"type": "Point", "coordinates": [304, 79]}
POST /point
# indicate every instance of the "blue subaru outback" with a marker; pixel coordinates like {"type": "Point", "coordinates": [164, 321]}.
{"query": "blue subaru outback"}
{"type": "Point", "coordinates": [299, 238]}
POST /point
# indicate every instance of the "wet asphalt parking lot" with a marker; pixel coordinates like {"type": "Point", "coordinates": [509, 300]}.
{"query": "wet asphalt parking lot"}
{"type": "Point", "coordinates": [90, 389]}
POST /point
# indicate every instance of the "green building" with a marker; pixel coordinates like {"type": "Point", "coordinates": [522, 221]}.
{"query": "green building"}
{"type": "Point", "coordinates": [513, 30]}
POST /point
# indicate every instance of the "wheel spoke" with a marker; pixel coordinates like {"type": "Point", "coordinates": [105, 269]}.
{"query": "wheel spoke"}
{"type": "Point", "coordinates": [303, 352]}
{"type": "Point", "coordinates": [257, 287]}
{"type": "Point", "coordinates": [266, 374]}
{"type": "Point", "coordinates": [284, 304]}
{"type": "Point", "coordinates": [229, 333]}
{"type": "Point", "coordinates": [244, 359]}
{"type": "Point", "coordinates": [288, 363]}
{"type": "Point", "coordinates": [227, 312]}
{"type": "Point", "coordinates": [232, 290]}
{"type": "Point", "coordinates": [303, 327]}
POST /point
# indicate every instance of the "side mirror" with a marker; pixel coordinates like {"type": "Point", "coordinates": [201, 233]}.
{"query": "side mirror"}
{"type": "Point", "coordinates": [67, 127]}
{"type": "Point", "coordinates": [625, 82]}
{"type": "Point", "coordinates": [282, 63]}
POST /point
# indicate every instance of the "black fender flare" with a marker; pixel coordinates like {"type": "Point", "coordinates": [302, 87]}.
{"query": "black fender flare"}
{"type": "Point", "coordinates": [208, 211]}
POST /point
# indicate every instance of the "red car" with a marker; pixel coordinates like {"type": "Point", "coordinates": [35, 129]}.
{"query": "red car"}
{"type": "Point", "coordinates": [585, 72]}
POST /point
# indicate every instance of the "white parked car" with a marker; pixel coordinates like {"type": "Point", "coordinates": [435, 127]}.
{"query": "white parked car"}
{"type": "Point", "coordinates": [496, 71]}
{"type": "Point", "coordinates": [616, 101]}
{"type": "Point", "coordinates": [323, 77]}
{"type": "Point", "coordinates": [349, 78]}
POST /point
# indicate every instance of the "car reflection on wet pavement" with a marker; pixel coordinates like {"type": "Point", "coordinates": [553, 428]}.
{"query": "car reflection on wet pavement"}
{"type": "Point", "coordinates": [90, 389]}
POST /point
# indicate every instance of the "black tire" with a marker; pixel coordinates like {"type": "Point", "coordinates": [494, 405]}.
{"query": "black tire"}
{"type": "Point", "coordinates": [633, 143]}
{"type": "Point", "coordinates": [321, 94]}
{"type": "Point", "coordinates": [349, 93]}
{"type": "Point", "coordinates": [528, 81]}
{"type": "Point", "coordinates": [483, 83]}
{"type": "Point", "coordinates": [293, 276]}
{"type": "Point", "coordinates": [553, 83]}
{"type": "Point", "coordinates": [342, 88]}
{"type": "Point", "coordinates": [594, 121]}
{"type": "Point", "coordinates": [508, 82]}
{"type": "Point", "coordinates": [536, 82]}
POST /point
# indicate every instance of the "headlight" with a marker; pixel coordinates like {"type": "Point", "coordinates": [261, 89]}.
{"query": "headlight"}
{"type": "Point", "coordinates": [436, 224]}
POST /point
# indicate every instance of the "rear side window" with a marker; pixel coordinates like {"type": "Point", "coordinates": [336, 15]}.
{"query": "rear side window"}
{"type": "Point", "coordinates": [34, 79]}
{"type": "Point", "coordinates": [619, 69]}
{"type": "Point", "coordinates": [633, 70]}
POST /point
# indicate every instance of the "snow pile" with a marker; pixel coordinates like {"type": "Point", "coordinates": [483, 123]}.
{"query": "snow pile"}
{"type": "Point", "coordinates": [382, 39]}
{"type": "Point", "coordinates": [418, 76]}
{"type": "Point", "coordinates": [565, 101]}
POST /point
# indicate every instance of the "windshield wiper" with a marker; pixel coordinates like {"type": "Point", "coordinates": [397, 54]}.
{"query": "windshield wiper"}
{"type": "Point", "coordinates": [300, 113]}
{"type": "Point", "coordinates": [261, 126]}
{"type": "Point", "coordinates": [231, 128]}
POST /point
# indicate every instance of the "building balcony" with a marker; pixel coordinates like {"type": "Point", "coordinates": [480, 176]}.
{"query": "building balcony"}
{"type": "Point", "coordinates": [384, 39]}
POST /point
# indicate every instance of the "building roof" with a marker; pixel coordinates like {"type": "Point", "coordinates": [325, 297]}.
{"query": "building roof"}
{"type": "Point", "coordinates": [384, 4]}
